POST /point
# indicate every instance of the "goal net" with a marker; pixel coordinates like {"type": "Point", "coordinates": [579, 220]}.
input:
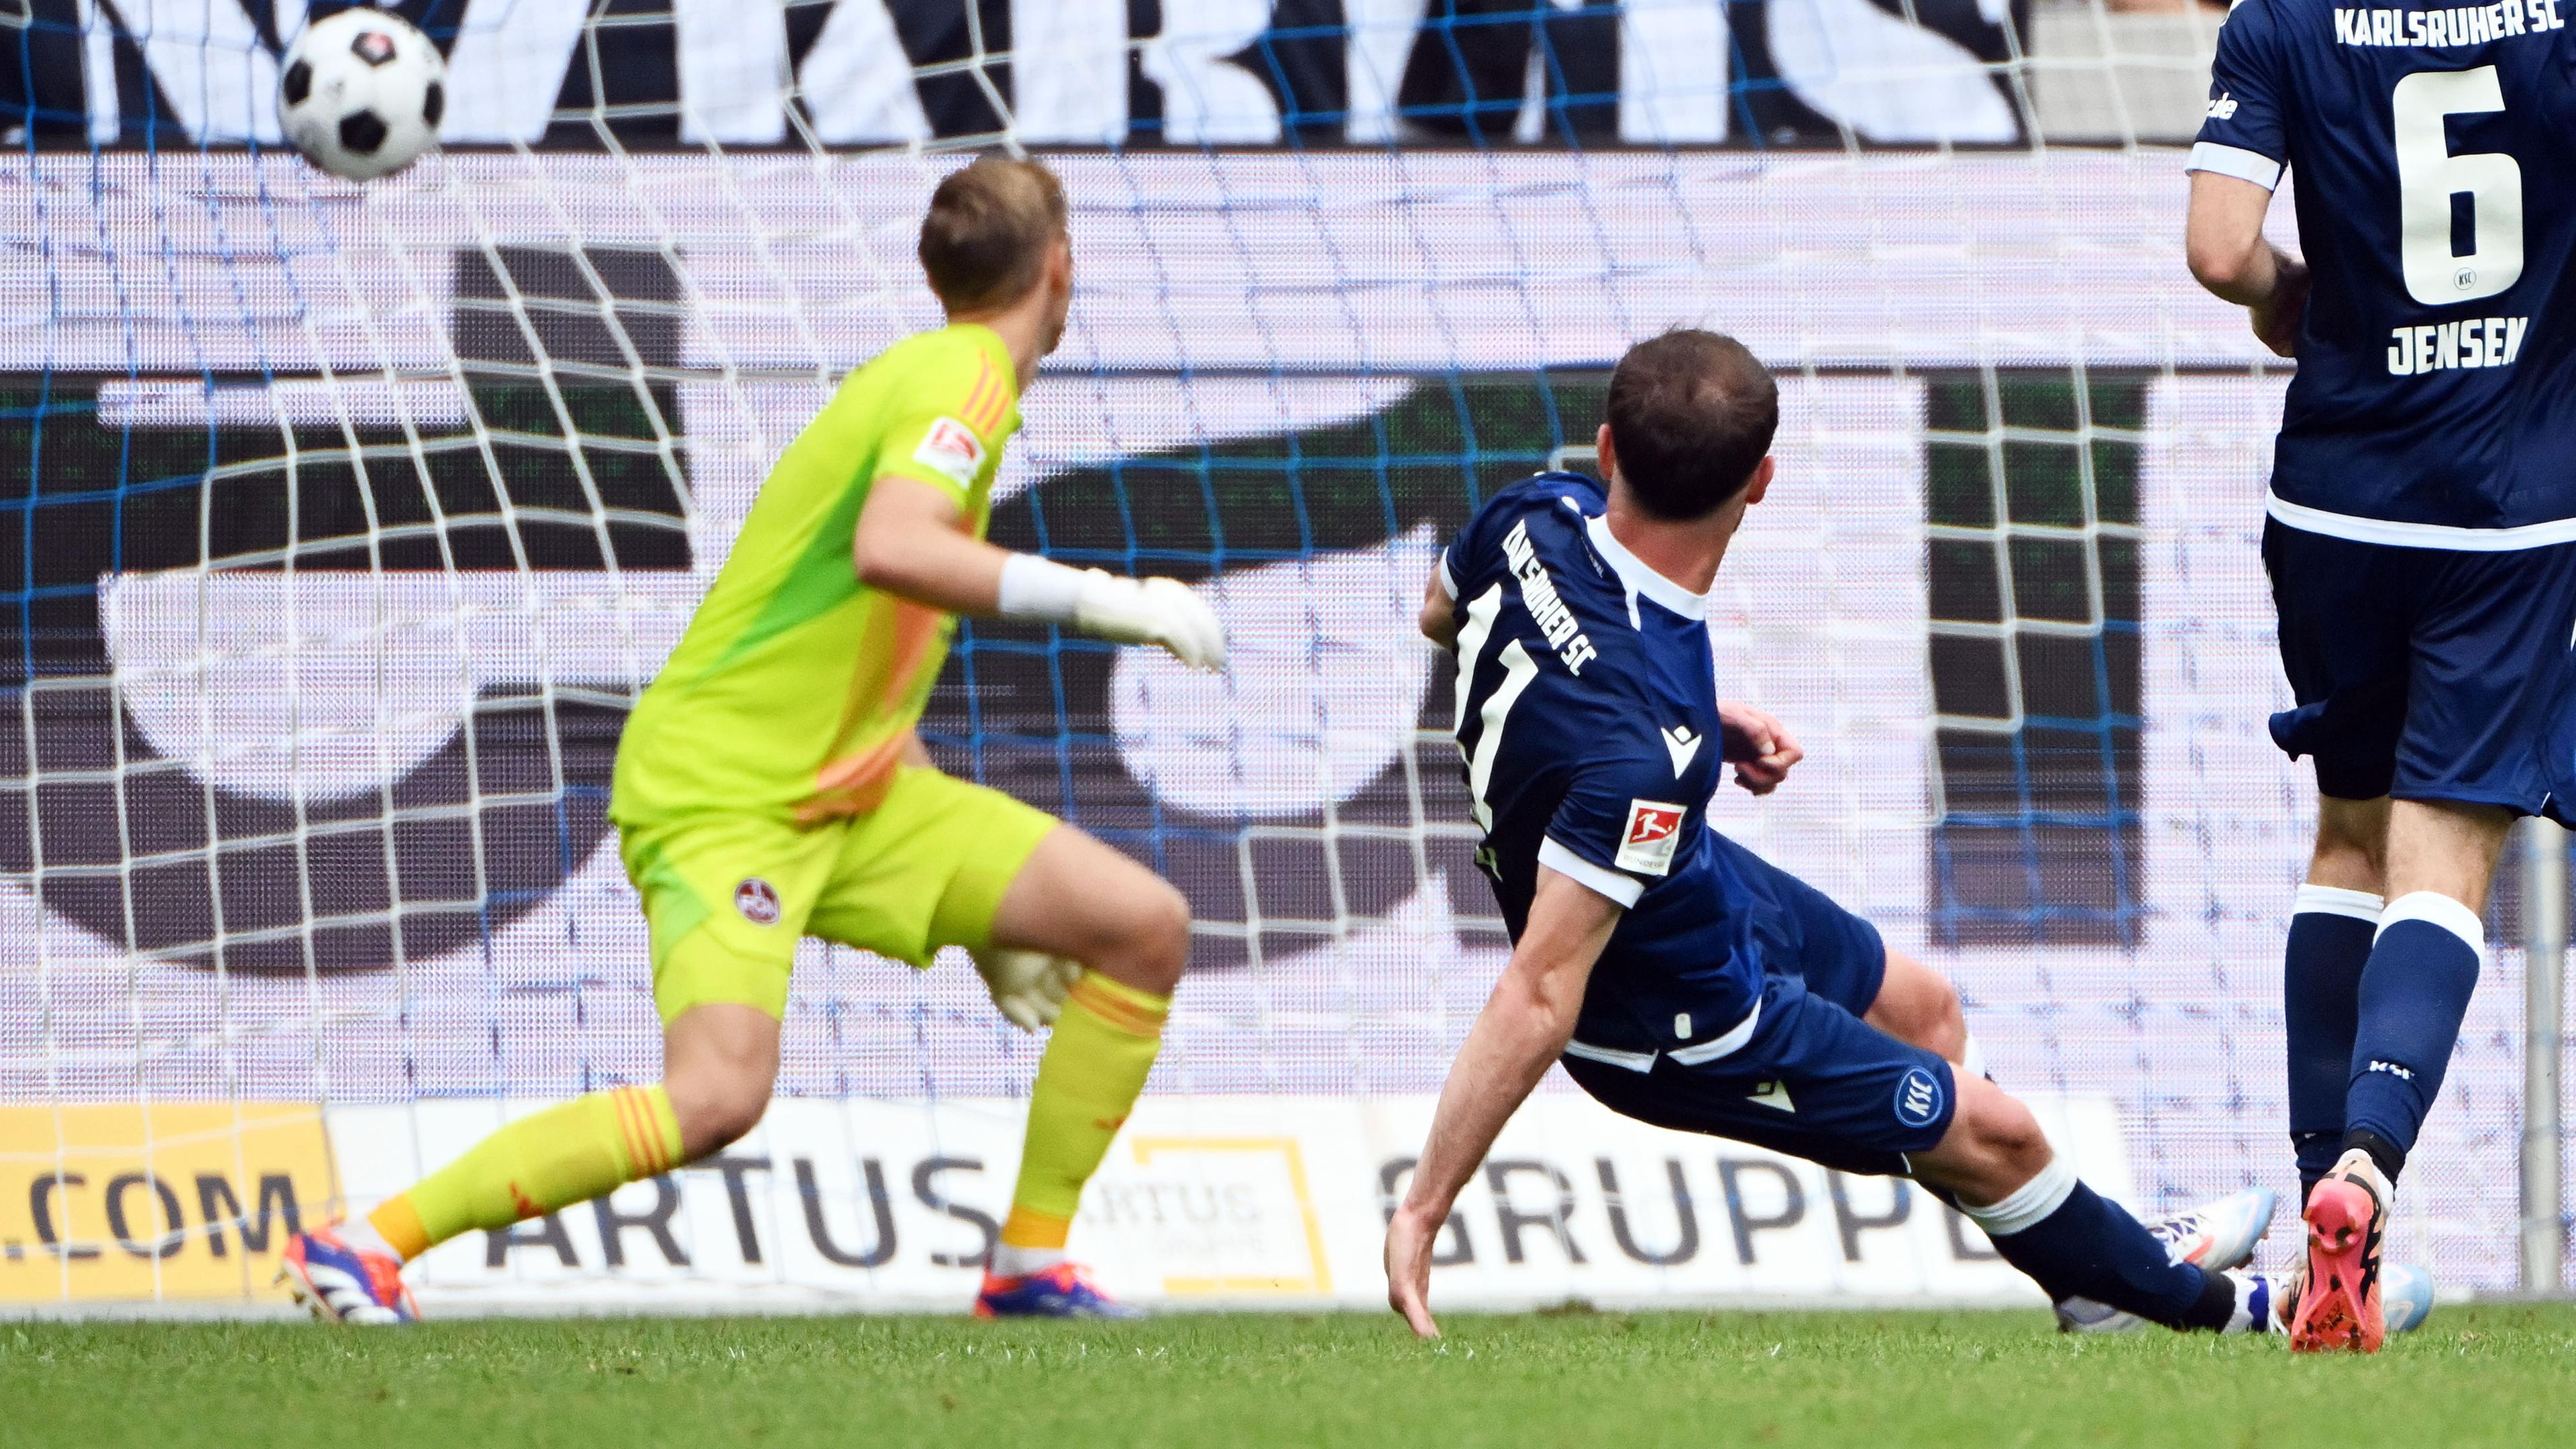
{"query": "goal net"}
{"type": "Point", "coordinates": [340, 523]}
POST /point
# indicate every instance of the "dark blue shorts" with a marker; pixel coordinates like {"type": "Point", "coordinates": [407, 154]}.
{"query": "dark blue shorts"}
{"type": "Point", "coordinates": [1813, 1080]}
{"type": "Point", "coordinates": [2428, 674]}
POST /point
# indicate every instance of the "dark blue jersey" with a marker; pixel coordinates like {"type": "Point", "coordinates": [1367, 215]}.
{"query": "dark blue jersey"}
{"type": "Point", "coordinates": [1587, 720]}
{"type": "Point", "coordinates": [2435, 402]}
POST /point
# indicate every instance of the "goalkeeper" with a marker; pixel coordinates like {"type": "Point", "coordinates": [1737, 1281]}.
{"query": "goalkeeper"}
{"type": "Point", "coordinates": [770, 786]}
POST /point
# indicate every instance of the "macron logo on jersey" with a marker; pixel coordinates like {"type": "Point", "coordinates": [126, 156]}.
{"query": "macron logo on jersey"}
{"type": "Point", "coordinates": [951, 448]}
{"type": "Point", "coordinates": [1654, 829]}
{"type": "Point", "coordinates": [1681, 744]}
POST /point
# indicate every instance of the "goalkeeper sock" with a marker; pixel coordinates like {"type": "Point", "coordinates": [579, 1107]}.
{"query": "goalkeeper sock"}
{"type": "Point", "coordinates": [2075, 1244]}
{"type": "Point", "coordinates": [1096, 1063]}
{"type": "Point", "coordinates": [2320, 1010]}
{"type": "Point", "coordinates": [550, 1160]}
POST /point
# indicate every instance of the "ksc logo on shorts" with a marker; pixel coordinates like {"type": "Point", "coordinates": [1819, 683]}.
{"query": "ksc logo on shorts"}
{"type": "Point", "coordinates": [757, 899]}
{"type": "Point", "coordinates": [1646, 846]}
{"type": "Point", "coordinates": [1918, 1099]}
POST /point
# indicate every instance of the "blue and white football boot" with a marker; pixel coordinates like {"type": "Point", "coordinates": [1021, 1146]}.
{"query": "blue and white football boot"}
{"type": "Point", "coordinates": [2217, 1236]}
{"type": "Point", "coordinates": [342, 1284]}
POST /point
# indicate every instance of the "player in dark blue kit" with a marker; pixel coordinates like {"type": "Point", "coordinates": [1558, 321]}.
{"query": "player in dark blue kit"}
{"type": "Point", "coordinates": [2421, 537]}
{"type": "Point", "coordinates": [1682, 980]}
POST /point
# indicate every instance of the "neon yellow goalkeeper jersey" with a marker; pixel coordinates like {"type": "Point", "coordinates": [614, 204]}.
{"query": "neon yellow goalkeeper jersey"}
{"type": "Point", "coordinates": [796, 687]}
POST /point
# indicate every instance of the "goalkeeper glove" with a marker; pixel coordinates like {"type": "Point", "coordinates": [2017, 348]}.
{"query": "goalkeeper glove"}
{"type": "Point", "coordinates": [1028, 986]}
{"type": "Point", "coordinates": [1162, 612]}
{"type": "Point", "coordinates": [1151, 611]}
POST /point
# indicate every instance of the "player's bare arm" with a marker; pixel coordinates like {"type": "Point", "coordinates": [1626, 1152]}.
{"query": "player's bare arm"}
{"type": "Point", "coordinates": [1439, 620]}
{"type": "Point", "coordinates": [1521, 1032]}
{"type": "Point", "coordinates": [908, 544]}
{"type": "Point", "coordinates": [2223, 241]}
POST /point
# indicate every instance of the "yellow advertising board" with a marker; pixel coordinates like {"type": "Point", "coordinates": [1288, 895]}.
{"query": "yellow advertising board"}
{"type": "Point", "coordinates": [168, 1200]}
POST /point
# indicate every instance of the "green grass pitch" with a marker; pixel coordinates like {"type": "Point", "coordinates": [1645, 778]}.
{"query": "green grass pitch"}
{"type": "Point", "coordinates": [2492, 1374]}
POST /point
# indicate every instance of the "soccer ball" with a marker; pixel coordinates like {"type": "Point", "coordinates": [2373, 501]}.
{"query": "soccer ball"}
{"type": "Point", "coordinates": [362, 93]}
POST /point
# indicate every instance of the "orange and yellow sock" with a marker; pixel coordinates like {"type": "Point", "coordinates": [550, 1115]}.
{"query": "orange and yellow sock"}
{"type": "Point", "coordinates": [1094, 1067]}
{"type": "Point", "coordinates": [549, 1160]}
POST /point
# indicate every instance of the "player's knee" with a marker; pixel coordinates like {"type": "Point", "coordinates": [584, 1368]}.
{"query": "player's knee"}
{"type": "Point", "coordinates": [1918, 1006]}
{"type": "Point", "coordinates": [2352, 845]}
{"type": "Point", "coordinates": [716, 1109]}
{"type": "Point", "coordinates": [2008, 1140]}
{"type": "Point", "coordinates": [1144, 941]}
{"type": "Point", "coordinates": [1994, 1145]}
{"type": "Point", "coordinates": [1935, 1021]}
{"type": "Point", "coordinates": [1946, 1025]}
{"type": "Point", "coordinates": [1162, 938]}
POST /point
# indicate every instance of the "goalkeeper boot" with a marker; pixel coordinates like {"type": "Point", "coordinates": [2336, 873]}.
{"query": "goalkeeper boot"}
{"type": "Point", "coordinates": [1063, 1291]}
{"type": "Point", "coordinates": [342, 1284]}
{"type": "Point", "coordinates": [2216, 1236]}
{"type": "Point", "coordinates": [2341, 1305]}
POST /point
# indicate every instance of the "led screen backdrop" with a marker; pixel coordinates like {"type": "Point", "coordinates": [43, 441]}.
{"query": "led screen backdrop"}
{"type": "Point", "coordinates": [342, 525]}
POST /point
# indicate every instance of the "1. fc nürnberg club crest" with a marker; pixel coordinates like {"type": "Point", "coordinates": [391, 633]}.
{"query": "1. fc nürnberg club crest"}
{"type": "Point", "coordinates": [757, 899]}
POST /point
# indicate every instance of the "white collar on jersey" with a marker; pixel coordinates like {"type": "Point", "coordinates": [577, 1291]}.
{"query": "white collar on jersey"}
{"type": "Point", "coordinates": [1640, 579]}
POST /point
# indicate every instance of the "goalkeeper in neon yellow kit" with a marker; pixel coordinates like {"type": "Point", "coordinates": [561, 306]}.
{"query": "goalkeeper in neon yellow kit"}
{"type": "Point", "coordinates": [770, 786]}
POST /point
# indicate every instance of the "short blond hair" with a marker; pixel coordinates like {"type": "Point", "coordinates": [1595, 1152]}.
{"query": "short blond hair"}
{"type": "Point", "coordinates": [988, 230]}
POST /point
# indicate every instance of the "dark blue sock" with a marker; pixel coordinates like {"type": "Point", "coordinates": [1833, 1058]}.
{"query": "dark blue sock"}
{"type": "Point", "coordinates": [2413, 994]}
{"type": "Point", "coordinates": [2321, 1010]}
{"type": "Point", "coordinates": [2085, 1247]}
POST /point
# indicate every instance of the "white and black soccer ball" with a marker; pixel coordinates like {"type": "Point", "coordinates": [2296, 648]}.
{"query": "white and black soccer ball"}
{"type": "Point", "coordinates": [361, 93]}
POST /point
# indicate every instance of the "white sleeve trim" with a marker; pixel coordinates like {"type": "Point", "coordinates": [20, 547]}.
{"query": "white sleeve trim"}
{"type": "Point", "coordinates": [2236, 161]}
{"type": "Point", "coordinates": [1448, 580]}
{"type": "Point", "coordinates": [1610, 883]}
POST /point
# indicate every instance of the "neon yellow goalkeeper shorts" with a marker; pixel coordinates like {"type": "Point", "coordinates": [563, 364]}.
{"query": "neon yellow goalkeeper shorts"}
{"type": "Point", "coordinates": [728, 894]}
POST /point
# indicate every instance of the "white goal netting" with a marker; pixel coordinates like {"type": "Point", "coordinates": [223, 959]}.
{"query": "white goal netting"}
{"type": "Point", "coordinates": [338, 523]}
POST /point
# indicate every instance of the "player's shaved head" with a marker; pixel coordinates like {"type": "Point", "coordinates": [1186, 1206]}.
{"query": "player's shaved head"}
{"type": "Point", "coordinates": [986, 237]}
{"type": "Point", "coordinates": [1691, 416]}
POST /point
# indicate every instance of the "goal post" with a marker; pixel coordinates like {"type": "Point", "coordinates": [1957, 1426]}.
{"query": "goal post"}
{"type": "Point", "coordinates": [2544, 1214]}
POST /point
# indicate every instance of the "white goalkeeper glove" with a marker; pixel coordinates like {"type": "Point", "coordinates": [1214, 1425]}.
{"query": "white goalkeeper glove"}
{"type": "Point", "coordinates": [1151, 611]}
{"type": "Point", "coordinates": [1028, 986]}
{"type": "Point", "coordinates": [1162, 612]}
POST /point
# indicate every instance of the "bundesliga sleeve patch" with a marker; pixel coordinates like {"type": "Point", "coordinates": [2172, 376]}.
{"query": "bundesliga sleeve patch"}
{"type": "Point", "coordinates": [1646, 846]}
{"type": "Point", "coordinates": [952, 448]}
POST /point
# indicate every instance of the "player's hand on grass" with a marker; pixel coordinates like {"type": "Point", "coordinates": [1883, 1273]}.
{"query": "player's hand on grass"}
{"type": "Point", "coordinates": [2276, 321]}
{"type": "Point", "coordinates": [1028, 986]}
{"type": "Point", "coordinates": [1408, 1268]}
{"type": "Point", "coordinates": [1757, 744]}
{"type": "Point", "coordinates": [1151, 611]}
